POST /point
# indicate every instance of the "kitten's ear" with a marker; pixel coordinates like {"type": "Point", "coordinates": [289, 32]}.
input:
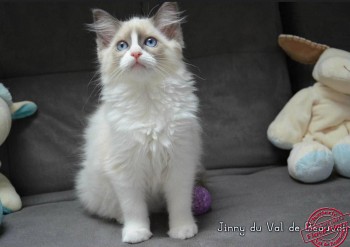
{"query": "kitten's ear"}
{"type": "Point", "coordinates": [105, 26]}
{"type": "Point", "coordinates": [168, 21]}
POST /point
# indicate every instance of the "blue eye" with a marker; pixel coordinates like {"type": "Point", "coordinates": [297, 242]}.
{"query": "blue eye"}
{"type": "Point", "coordinates": [122, 45]}
{"type": "Point", "coordinates": [151, 42]}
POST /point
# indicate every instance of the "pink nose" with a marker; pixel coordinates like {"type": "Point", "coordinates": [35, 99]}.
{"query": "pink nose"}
{"type": "Point", "coordinates": [136, 54]}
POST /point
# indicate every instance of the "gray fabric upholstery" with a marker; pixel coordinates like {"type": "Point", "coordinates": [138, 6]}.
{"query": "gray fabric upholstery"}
{"type": "Point", "coordinates": [232, 99]}
{"type": "Point", "coordinates": [49, 142]}
{"type": "Point", "coordinates": [4, 159]}
{"type": "Point", "coordinates": [267, 195]}
{"type": "Point", "coordinates": [53, 36]}
{"type": "Point", "coordinates": [48, 57]}
{"type": "Point", "coordinates": [233, 32]}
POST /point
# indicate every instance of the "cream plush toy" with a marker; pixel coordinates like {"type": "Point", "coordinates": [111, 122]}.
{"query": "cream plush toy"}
{"type": "Point", "coordinates": [9, 199]}
{"type": "Point", "coordinates": [315, 123]}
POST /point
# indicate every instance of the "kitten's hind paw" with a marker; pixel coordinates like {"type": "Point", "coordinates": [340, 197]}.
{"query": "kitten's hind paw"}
{"type": "Point", "coordinates": [133, 235]}
{"type": "Point", "coordinates": [183, 232]}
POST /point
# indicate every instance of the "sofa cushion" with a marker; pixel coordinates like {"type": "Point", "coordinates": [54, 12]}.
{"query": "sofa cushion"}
{"type": "Point", "coordinates": [224, 27]}
{"type": "Point", "coordinates": [240, 96]}
{"type": "Point", "coordinates": [240, 198]}
{"type": "Point", "coordinates": [39, 37]}
{"type": "Point", "coordinates": [44, 149]}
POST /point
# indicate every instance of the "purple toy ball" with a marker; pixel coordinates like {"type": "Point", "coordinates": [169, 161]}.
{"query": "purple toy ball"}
{"type": "Point", "coordinates": [201, 200]}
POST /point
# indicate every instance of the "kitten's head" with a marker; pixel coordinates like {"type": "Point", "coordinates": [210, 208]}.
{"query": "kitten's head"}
{"type": "Point", "coordinates": [140, 47]}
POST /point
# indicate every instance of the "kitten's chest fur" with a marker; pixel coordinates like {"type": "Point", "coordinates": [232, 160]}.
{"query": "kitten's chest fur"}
{"type": "Point", "coordinates": [154, 115]}
{"type": "Point", "coordinates": [150, 120]}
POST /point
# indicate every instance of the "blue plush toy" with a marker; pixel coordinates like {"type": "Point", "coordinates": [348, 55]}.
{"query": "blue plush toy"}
{"type": "Point", "coordinates": [9, 199]}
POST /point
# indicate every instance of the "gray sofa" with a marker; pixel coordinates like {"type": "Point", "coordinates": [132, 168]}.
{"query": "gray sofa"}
{"type": "Point", "coordinates": [244, 79]}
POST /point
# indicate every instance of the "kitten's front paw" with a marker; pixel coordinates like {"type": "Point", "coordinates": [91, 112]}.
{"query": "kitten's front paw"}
{"type": "Point", "coordinates": [184, 231]}
{"type": "Point", "coordinates": [134, 235]}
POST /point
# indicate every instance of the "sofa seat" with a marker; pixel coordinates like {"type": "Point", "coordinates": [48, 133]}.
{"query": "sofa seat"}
{"type": "Point", "coordinates": [240, 198]}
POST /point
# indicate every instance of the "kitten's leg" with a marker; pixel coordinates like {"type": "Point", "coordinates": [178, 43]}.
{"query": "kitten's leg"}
{"type": "Point", "coordinates": [178, 193]}
{"type": "Point", "coordinates": [97, 195]}
{"type": "Point", "coordinates": [134, 209]}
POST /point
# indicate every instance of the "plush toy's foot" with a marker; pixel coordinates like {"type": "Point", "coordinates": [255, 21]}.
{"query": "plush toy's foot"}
{"type": "Point", "coordinates": [310, 162]}
{"type": "Point", "coordinates": [341, 153]}
{"type": "Point", "coordinates": [201, 200]}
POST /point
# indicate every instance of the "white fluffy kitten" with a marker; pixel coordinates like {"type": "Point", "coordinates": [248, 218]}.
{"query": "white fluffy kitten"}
{"type": "Point", "coordinates": [143, 143]}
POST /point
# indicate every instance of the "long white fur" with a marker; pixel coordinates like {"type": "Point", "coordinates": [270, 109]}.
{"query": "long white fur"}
{"type": "Point", "coordinates": [143, 143]}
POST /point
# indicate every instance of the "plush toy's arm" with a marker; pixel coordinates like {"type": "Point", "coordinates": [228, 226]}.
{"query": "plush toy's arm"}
{"type": "Point", "coordinates": [23, 109]}
{"type": "Point", "coordinates": [290, 125]}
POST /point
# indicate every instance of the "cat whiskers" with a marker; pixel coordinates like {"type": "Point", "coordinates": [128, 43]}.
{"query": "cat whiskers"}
{"type": "Point", "coordinates": [96, 89]}
{"type": "Point", "coordinates": [197, 68]}
{"type": "Point", "coordinates": [162, 71]}
{"type": "Point", "coordinates": [149, 63]}
{"type": "Point", "coordinates": [163, 67]}
{"type": "Point", "coordinates": [163, 59]}
{"type": "Point", "coordinates": [117, 74]}
{"type": "Point", "coordinates": [96, 84]}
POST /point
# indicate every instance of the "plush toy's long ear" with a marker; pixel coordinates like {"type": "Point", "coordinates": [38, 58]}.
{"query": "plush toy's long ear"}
{"type": "Point", "coordinates": [300, 49]}
{"type": "Point", "coordinates": [23, 109]}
